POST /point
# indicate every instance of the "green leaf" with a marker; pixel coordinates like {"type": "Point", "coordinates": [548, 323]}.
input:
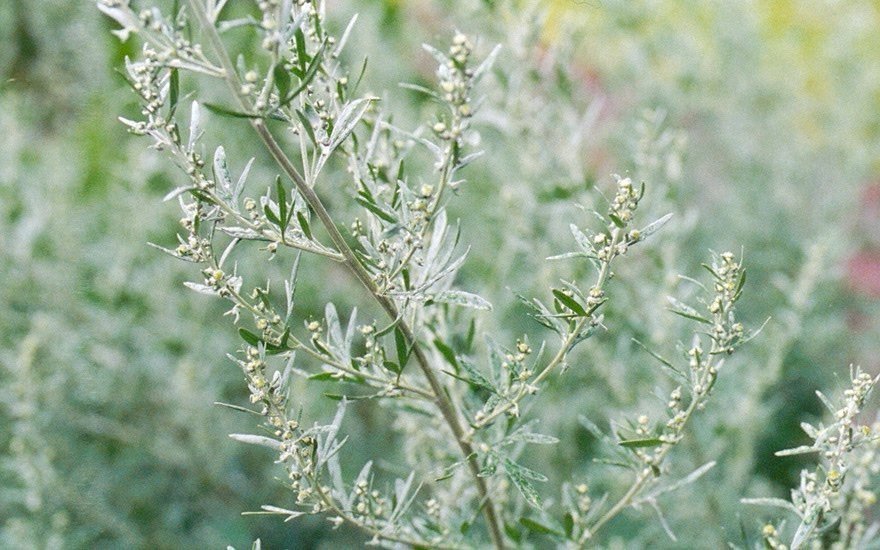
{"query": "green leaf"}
{"type": "Point", "coordinates": [617, 221]}
{"type": "Point", "coordinates": [271, 215]}
{"type": "Point", "coordinates": [539, 528]}
{"type": "Point", "coordinates": [639, 443]}
{"type": "Point", "coordinates": [221, 172]}
{"type": "Point", "coordinates": [568, 524]}
{"type": "Point", "coordinates": [400, 345]}
{"type": "Point", "coordinates": [282, 79]}
{"type": "Point", "coordinates": [300, 41]}
{"type": "Point", "coordinates": [360, 76]}
{"type": "Point", "coordinates": [226, 112]}
{"type": "Point", "coordinates": [307, 126]}
{"type": "Point", "coordinates": [570, 303]}
{"type": "Point", "coordinates": [512, 532]}
{"type": "Point", "coordinates": [392, 366]}
{"type": "Point", "coordinates": [249, 337]}
{"type": "Point", "coordinates": [469, 339]}
{"type": "Point", "coordinates": [254, 340]}
{"type": "Point", "coordinates": [306, 78]}
{"type": "Point", "coordinates": [376, 210]}
{"type": "Point", "coordinates": [173, 92]}
{"type": "Point", "coordinates": [686, 311]}
{"type": "Point", "coordinates": [283, 217]}
{"type": "Point", "coordinates": [464, 299]}
{"type": "Point", "coordinates": [739, 286]}
{"type": "Point", "coordinates": [304, 225]}
{"type": "Point", "coordinates": [655, 226]}
{"type": "Point", "coordinates": [347, 120]}
{"type": "Point", "coordinates": [447, 353]}
{"type": "Point", "coordinates": [516, 474]}
{"type": "Point", "coordinates": [475, 376]}
{"type": "Point", "coordinates": [711, 270]}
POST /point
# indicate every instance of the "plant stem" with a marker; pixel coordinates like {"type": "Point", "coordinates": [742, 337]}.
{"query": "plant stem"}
{"type": "Point", "coordinates": [441, 399]}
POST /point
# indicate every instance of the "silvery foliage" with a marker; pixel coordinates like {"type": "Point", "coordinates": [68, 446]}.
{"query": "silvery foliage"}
{"type": "Point", "coordinates": [831, 502]}
{"type": "Point", "coordinates": [460, 405]}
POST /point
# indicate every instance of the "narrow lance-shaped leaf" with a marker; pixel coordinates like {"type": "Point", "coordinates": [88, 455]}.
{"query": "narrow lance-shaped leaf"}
{"type": "Point", "coordinates": [282, 79]}
{"type": "Point", "coordinates": [403, 351]}
{"type": "Point", "coordinates": [173, 92]}
{"type": "Point", "coordinates": [307, 77]}
{"type": "Point", "coordinates": [282, 205]}
{"type": "Point", "coordinates": [569, 302]}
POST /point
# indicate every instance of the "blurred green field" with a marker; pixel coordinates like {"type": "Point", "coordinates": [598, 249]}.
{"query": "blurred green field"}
{"type": "Point", "coordinates": [756, 123]}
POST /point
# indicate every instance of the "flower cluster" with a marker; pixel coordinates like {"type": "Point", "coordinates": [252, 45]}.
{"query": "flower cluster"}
{"type": "Point", "coordinates": [456, 80]}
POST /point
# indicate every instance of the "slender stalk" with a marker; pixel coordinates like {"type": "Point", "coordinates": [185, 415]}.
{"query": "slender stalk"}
{"type": "Point", "coordinates": [441, 399]}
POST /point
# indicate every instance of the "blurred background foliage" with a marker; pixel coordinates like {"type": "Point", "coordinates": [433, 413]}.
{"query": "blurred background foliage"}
{"type": "Point", "coordinates": [755, 122]}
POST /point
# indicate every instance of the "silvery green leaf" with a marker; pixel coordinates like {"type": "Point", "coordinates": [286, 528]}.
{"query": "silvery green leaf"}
{"type": "Point", "coordinates": [274, 510]}
{"type": "Point", "coordinates": [684, 310]}
{"type": "Point", "coordinates": [402, 496]}
{"type": "Point", "coordinates": [774, 502]}
{"type": "Point", "coordinates": [187, 65]}
{"type": "Point", "coordinates": [251, 439]}
{"type": "Point", "coordinates": [464, 299]}
{"type": "Point", "coordinates": [566, 256]}
{"type": "Point", "coordinates": [475, 376]}
{"type": "Point", "coordinates": [290, 284]}
{"type": "Point", "coordinates": [177, 191]}
{"type": "Point", "coordinates": [347, 120]}
{"type": "Point", "coordinates": [133, 124]}
{"type": "Point", "coordinates": [655, 226]}
{"type": "Point", "coordinates": [350, 330]}
{"type": "Point", "coordinates": [531, 437]}
{"type": "Point", "coordinates": [803, 449]}
{"type": "Point", "coordinates": [581, 238]}
{"type": "Point", "coordinates": [221, 172]}
{"type": "Point", "coordinates": [804, 531]}
{"type": "Point", "coordinates": [810, 430]}
{"type": "Point", "coordinates": [362, 476]}
{"type": "Point", "coordinates": [516, 474]}
{"type": "Point", "coordinates": [686, 480]}
{"type": "Point", "coordinates": [327, 445]}
{"type": "Point", "coordinates": [213, 9]}
{"type": "Point", "coordinates": [235, 23]}
{"type": "Point", "coordinates": [467, 159]}
{"type": "Point", "coordinates": [335, 471]}
{"type": "Point", "coordinates": [662, 518]}
{"type": "Point", "coordinates": [486, 64]}
{"type": "Point", "coordinates": [439, 56]}
{"type": "Point", "coordinates": [421, 89]}
{"type": "Point", "coordinates": [200, 288]}
{"type": "Point", "coordinates": [171, 252]}
{"type": "Point", "coordinates": [124, 16]}
{"type": "Point", "coordinates": [340, 44]}
{"type": "Point", "coordinates": [194, 126]}
{"type": "Point", "coordinates": [334, 329]}
{"type": "Point", "coordinates": [239, 232]}
{"type": "Point", "coordinates": [826, 402]}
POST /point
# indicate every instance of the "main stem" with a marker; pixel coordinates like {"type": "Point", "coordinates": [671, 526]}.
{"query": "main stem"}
{"type": "Point", "coordinates": [441, 399]}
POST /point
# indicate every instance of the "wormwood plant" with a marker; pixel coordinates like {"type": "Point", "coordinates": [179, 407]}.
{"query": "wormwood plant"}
{"type": "Point", "coordinates": [832, 501]}
{"type": "Point", "coordinates": [462, 406]}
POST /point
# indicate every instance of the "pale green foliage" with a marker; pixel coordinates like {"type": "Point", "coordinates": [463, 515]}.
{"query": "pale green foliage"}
{"type": "Point", "coordinates": [406, 259]}
{"type": "Point", "coordinates": [607, 418]}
